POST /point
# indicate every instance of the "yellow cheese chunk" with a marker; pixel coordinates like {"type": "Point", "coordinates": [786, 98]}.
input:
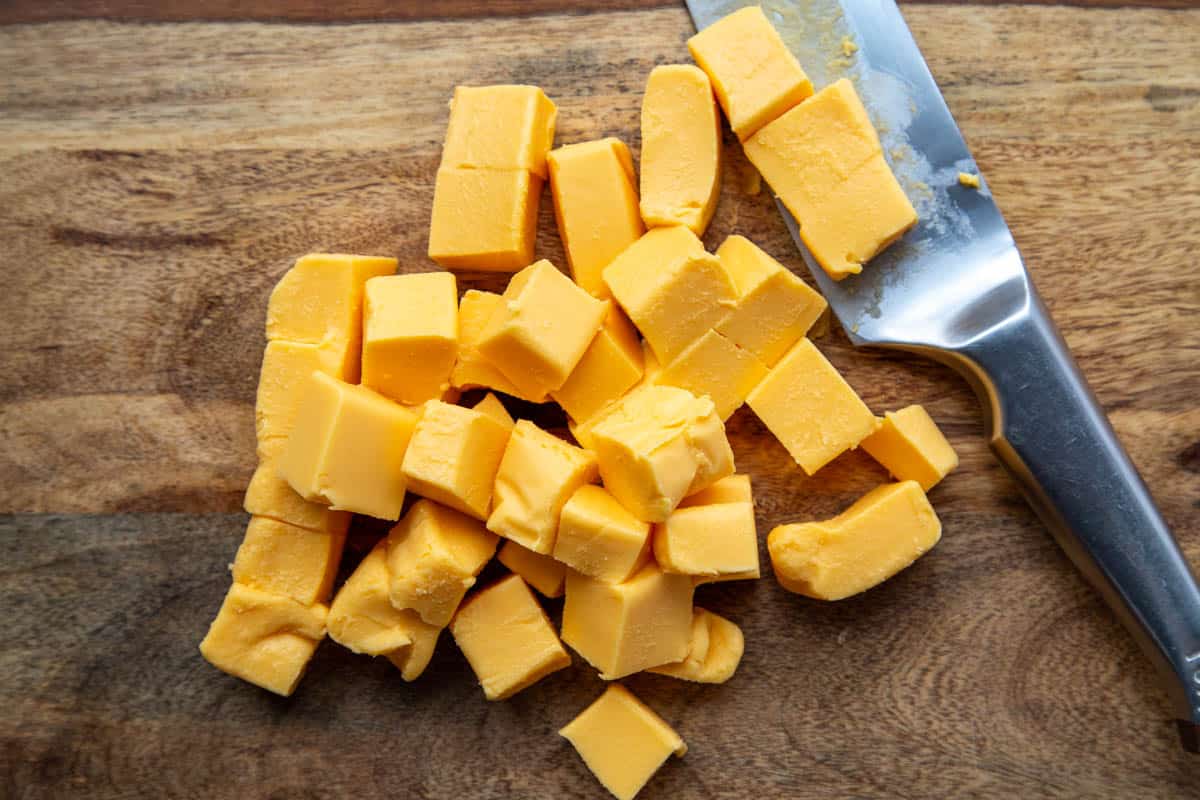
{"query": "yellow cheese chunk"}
{"type": "Point", "coordinates": [537, 475]}
{"type": "Point", "coordinates": [507, 639]}
{"type": "Point", "coordinates": [319, 301]}
{"type": "Point", "coordinates": [733, 489]}
{"type": "Point", "coordinates": [595, 205]}
{"type": "Point", "coordinates": [363, 620]}
{"type": "Point", "coordinates": [473, 370]}
{"type": "Point", "coordinates": [657, 446]}
{"type": "Point", "coordinates": [709, 540]}
{"type": "Point", "coordinates": [499, 127]}
{"type": "Point", "coordinates": [433, 556]}
{"type": "Point", "coordinates": [410, 335]}
{"type": "Point", "coordinates": [622, 741]}
{"type": "Point", "coordinates": [886, 530]}
{"type": "Point", "coordinates": [598, 537]}
{"type": "Point", "coordinates": [824, 160]}
{"type": "Point", "coordinates": [610, 367]}
{"type": "Point", "coordinates": [755, 76]}
{"type": "Point", "coordinates": [491, 406]}
{"type": "Point", "coordinates": [681, 149]}
{"type": "Point", "coordinates": [542, 328]}
{"type": "Point", "coordinates": [623, 628]}
{"type": "Point", "coordinates": [269, 495]}
{"type": "Point", "coordinates": [810, 408]}
{"type": "Point", "coordinates": [544, 573]}
{"type": "Point", "coordinates": [453, 457]}
{"type": "Point", "coordinates": [715, 650]}
{"type": "Point", "coordinates": [671, 289]}
{"type": "Point", "coordinates": [969, 180]}
{"type": "Point", "coordinates": [266, 639]}
{"type": "Point", "coordinates": [715, 367]}
{"type": "Point", "coordinates": [484, 219]}
{"type": "Point", "coordinates": [282, 559]}
{"type": "Point", "coordinates": [286, 367]}
{"type": "Point", "coordinates": [348, 447]}
{"type": "Point", "coordinates": [911, 447]}
{"type": "Point", "coordinates": [774, 307]}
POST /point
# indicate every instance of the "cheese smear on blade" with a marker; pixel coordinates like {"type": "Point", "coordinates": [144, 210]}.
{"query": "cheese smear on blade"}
{"type": "Point", "coordinates": [911, 447]}
{"type": "Point", "coordinates": [886, 530]}
{"type": "Point", "coordinates": [410, 335]}
{"type": "Point", "coordinates": [507, 638]}
{"type": "Point", "coordinates": [622, 741]}
{"type": "Point", "coordinates": [755, 76]}
{"type": "Point", "coordinates": [824, 160]}
{"type": "Point", "coordinates": [347, 448]}
{"type": "Point", "coordinates": [681, 149]}
{"type": "Point", "coordinates": [595, 205]}
{"type": "Point", "coordinates": [263, 638]}
{"type": "Point", "coordinates": [810, 408]}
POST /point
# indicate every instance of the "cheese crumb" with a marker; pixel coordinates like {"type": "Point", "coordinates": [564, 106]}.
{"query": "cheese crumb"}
{"type": "Point", "coordinates": [968, 179]}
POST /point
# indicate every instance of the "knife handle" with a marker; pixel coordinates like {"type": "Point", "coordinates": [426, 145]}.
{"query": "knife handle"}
{"type": "Point", "coordinates": [1047, 428]}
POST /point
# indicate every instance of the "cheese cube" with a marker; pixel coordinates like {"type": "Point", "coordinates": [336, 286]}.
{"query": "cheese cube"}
{"type": "Point", "coordinates": [657, 446]}
{"type": "Point", "coordinates": [774, 308]}
{"type": "Point", "coordinates": [473, 370]}
{"type": "Point", "coordinates": [319, 301]}
{"type": "Point", "coordinates": [734, 489]}
{"type": "Point", "coordinates": [491, 406]}
{"type": "Point", "coordinates": [671, 289]}
{"type": "Point", "coordinates": [269, 495]}
{"type": "Point", "coordinates": [507, 639]}
{"type": "Point", "coordinates": [681, 149]}
{"type": "Point", "coordinates": [714, 652]}
{"type": "Point", "coordinates": [911, 447]}
{"type": "Point", "coordinates": [710, 540]}
{"type": "Point", "coordinates": [824, 160]}
{"type": "Point", "coordinates": [499, 128]}
{"type": "Point", "coordinates": [286, 367]}
{"type": "Point", "coordinates": [755, 76]}
{"type": "Point", "coordinates": [453, 457]}
{"type": "Point", "coordinates": [410, 335]}
{"type": "Point", "coordinates": [484, 219]}
{"type": "Point", "coordinates": [363, 620]}
{"type": "Point", "coordinates": [623, 628]}
{"type": "Point", "coordinates": [264, 638]}
{"type": "Point", "coordinates": [433, 556]}
{"type": "Point", "coordinates": [282, 559]}
{"type": "Point", "coordinates": [610, 367]}
{"type": "Point", "coordinates": [598, 537]}
{"type": "Point", "coordinates": [542, 328]}
{"type": "Point", "coordinates": [348, 447]}
{"type": "Point", "coordinates": [886, 530]}
{"type": "Point", "coordinates": [544, 573]}
{"type": "Point", "coordinates": [622, 741]}
{"type": "Point", "coordinates": [537, 474]}
{"type": "Point", "coordinates": [715, 367]}
{"type": "Point", "coordinates": [810, 408]}
{"type": "Point", "coordinates": [595, 205]}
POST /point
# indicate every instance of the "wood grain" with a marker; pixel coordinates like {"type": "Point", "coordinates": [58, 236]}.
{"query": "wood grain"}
{"type": "Point", "coordinates": [155, 180]}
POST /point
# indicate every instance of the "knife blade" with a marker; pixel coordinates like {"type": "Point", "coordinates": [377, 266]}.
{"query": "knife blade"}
{"type": "Point", "coordinates": [955, 289]}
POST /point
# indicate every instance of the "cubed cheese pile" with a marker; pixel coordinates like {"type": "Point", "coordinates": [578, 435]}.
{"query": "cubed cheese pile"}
{"type": "Point", "coordinates": [649, 345]}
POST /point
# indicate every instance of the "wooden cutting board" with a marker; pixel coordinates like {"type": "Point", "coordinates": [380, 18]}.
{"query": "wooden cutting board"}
{"type": "Point", "coordinates": [158, 176]}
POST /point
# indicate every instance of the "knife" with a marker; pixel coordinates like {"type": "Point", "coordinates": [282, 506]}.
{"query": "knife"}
{"type": "Point", "coordinates": [956, 290]}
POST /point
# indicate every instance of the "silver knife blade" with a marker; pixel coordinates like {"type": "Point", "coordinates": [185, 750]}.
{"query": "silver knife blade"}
{"type": "Point", "coordinates": [935, 287]}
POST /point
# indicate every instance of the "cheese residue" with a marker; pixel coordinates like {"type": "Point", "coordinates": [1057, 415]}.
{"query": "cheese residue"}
{"type": "Point", "coordinates": [968, 179]}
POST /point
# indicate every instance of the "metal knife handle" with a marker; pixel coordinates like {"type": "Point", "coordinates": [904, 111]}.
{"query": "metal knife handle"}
{"type": "Point", "coordinates": [1047, 428]}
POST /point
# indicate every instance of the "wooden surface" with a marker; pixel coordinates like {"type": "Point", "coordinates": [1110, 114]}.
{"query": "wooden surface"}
{"type": "Point", "coordinates": [156, 179]}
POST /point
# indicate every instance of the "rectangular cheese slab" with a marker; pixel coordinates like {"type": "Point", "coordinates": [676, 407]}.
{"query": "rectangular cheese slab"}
{"type": "Point", "coordinates": [611, 366]}
{"type": "Point", "coordinates": [269, 495]}
{"type": "Point", "coordinates": [544, 573]}
{"type": "Point", "coordinates": [885, 531]}
{"type": "Point", "coordinates": [598, 537]}
{"type": "Point", "coordinates": [755, 76]}
{"type": "Point", "coordinates": [714, 653]}
{"type": "Point", "coordinates": [503, 127]}
{"type": "Point", "coordinates": [806, 403]}
{"type": "Point", "coordinates": [715, 367]}
{"type": "Point", "coordinates": [718, 540]}
{"type": "Point", "coordinates": [824, 160]}
{"type": "Point", "coordinates": [410, 335]}
{"type": "Point", "coordinates": [595, 205]}
{"type": "Point", "coordinates": [484, 219]}
{"type": "Point", "coordinates": [473, 370]}
{"type": "Point", "coordinates": [910, 445]}
{"type": "Point", "coordinates": [681, 149]}
{"type": "Point", "coordinates": [282, 559]}
{"type": "Point", "coordinates": [286, 367]}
